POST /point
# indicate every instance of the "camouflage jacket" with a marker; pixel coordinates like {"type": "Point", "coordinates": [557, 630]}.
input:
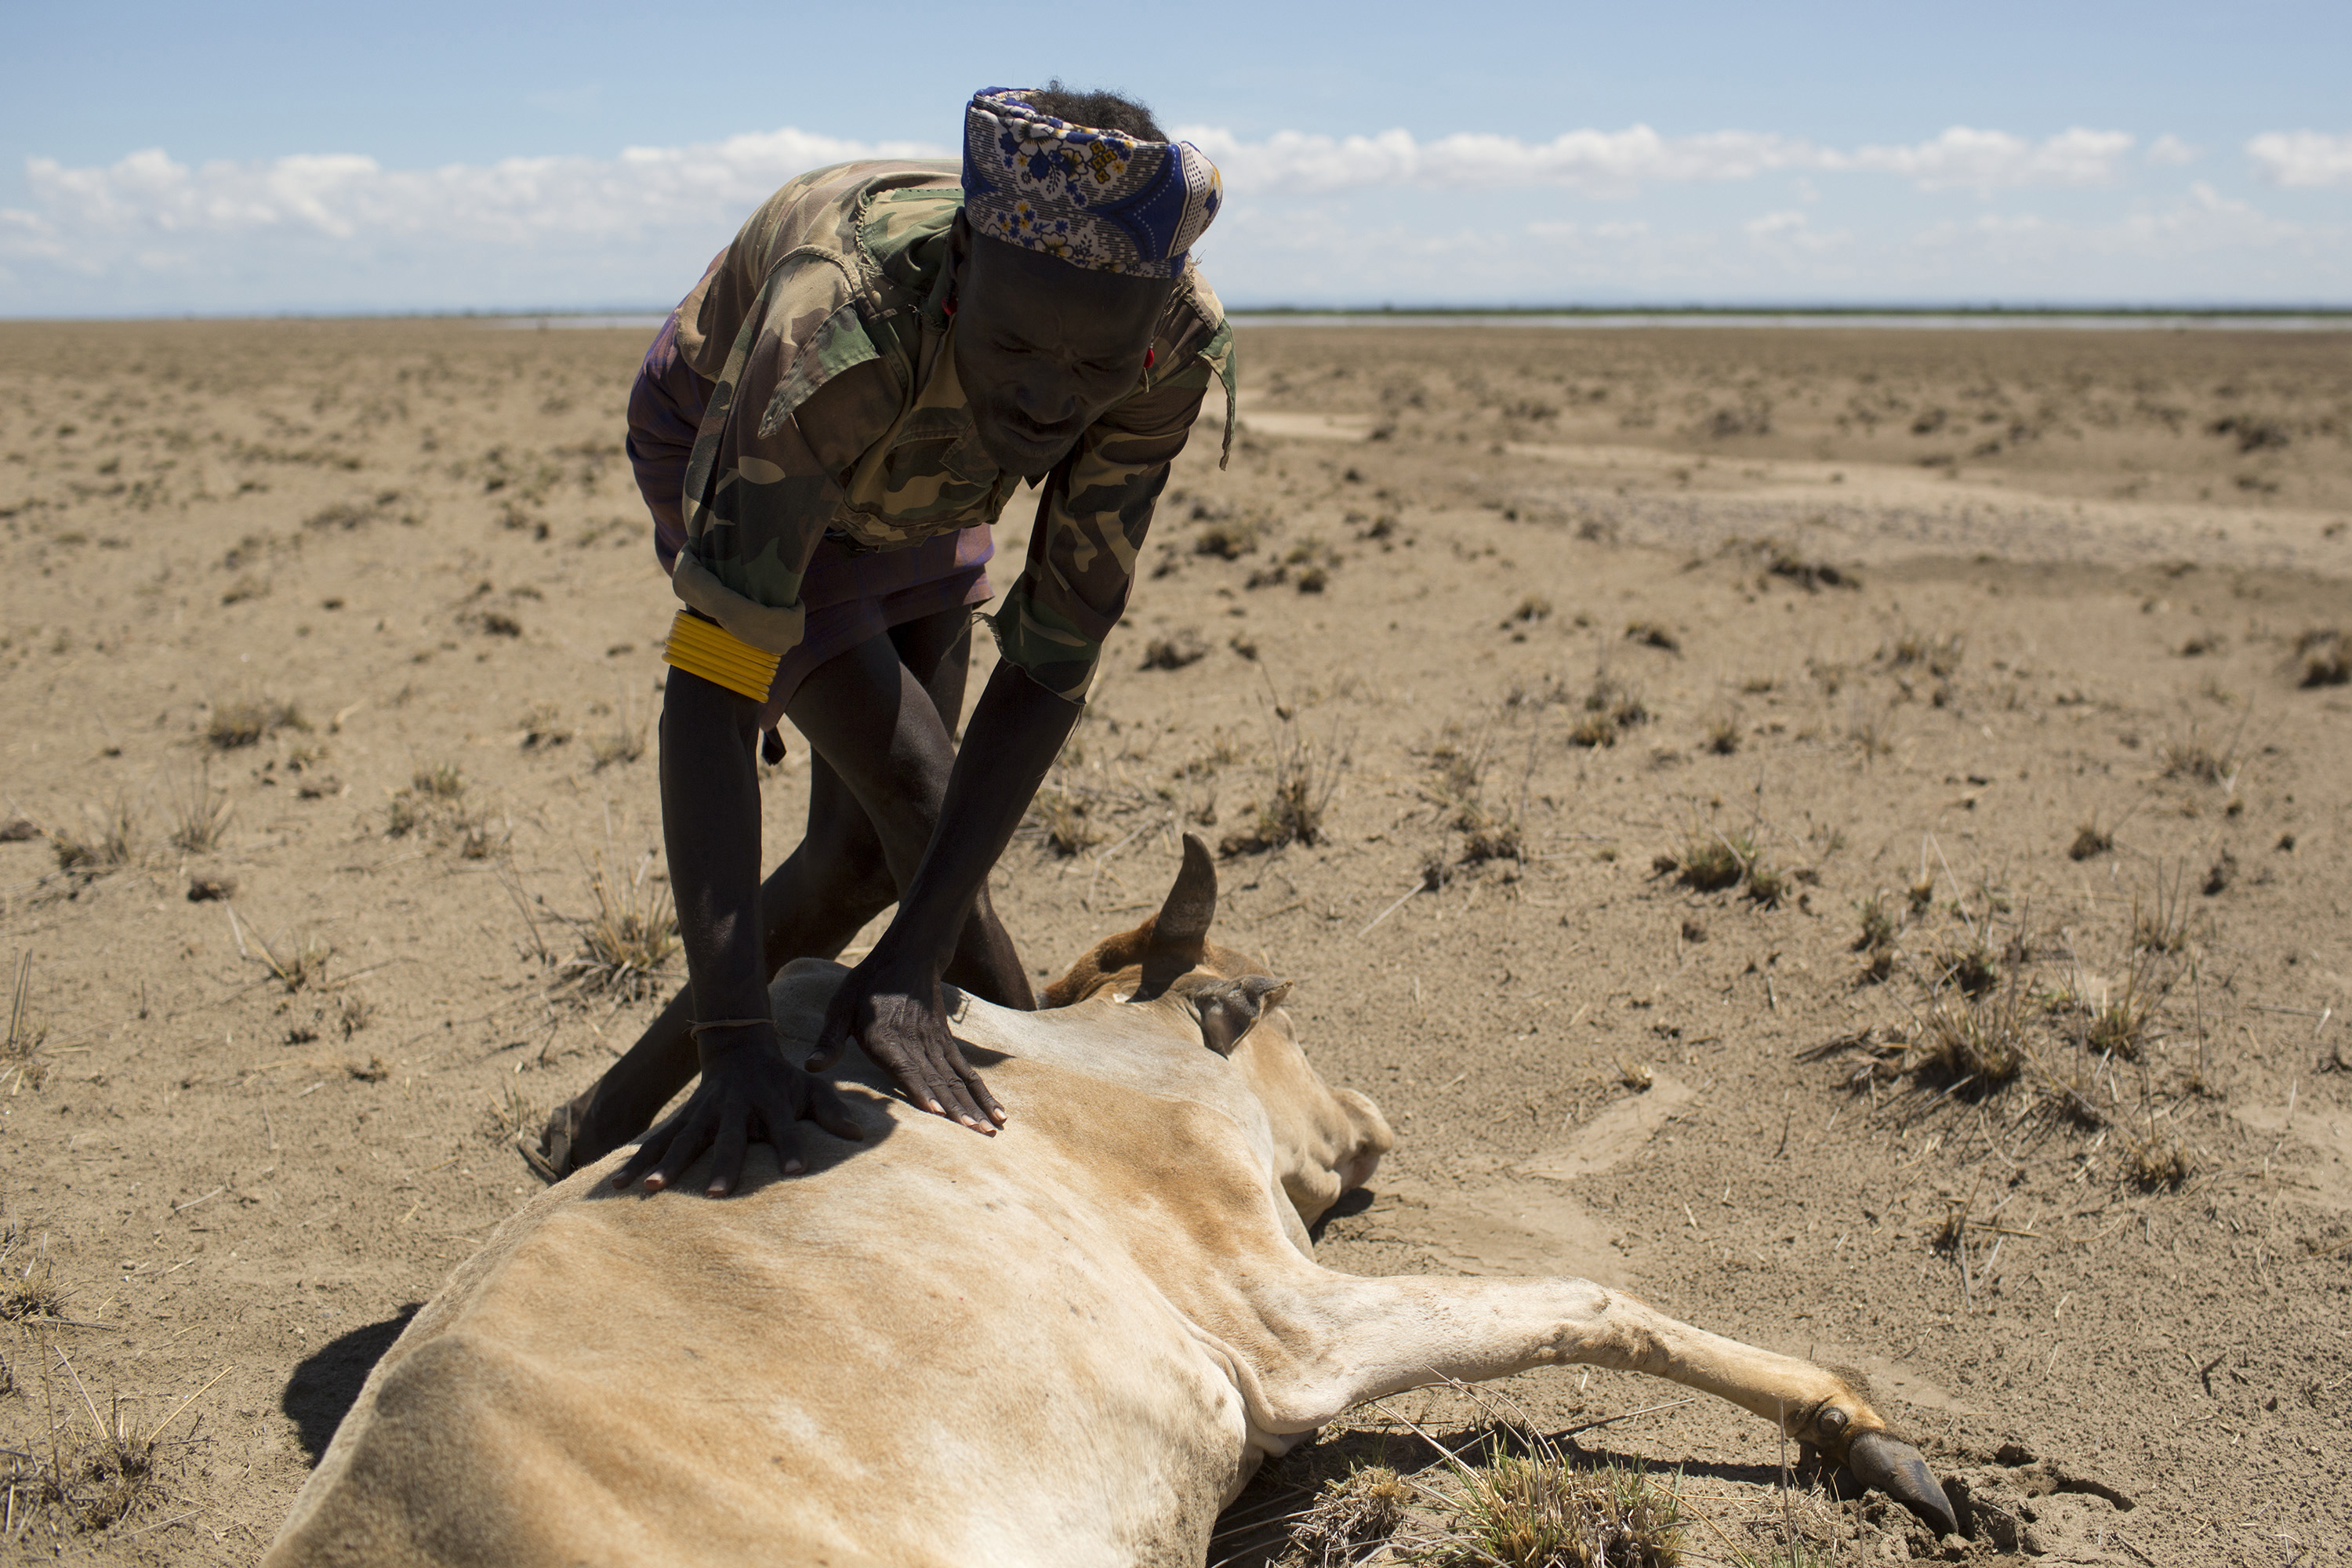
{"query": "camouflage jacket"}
{"type": "Point", "coordinates": [836, 406]}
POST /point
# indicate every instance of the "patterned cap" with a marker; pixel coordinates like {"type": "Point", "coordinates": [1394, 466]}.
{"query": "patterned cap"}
{"type": "Point", "coordinates": [1094, 198]}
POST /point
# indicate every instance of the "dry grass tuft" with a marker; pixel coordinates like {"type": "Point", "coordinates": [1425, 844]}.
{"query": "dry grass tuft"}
{"type": "Point", "coordinates": [1227, 539]}
{"type": "Point", "coordinates": [626, 942]}
{"type": "Point", "coordinates": [112, 842]}
{"type": "Point", "coordinates": [1981, 1041]}
{"type": "Point", "coordinates": [1352, 1518]}
{"type": "Point", "coordinates": [442, 781]}
{"type": "Point", "coordinates": [512, 1114]}
{"type": "Point", "coordinates": [1939, 654]}
{"type": "Point", "coordinates": [1722, 734]}
{"type": "Point", "coordinates": [1711, 860]}
{"type": "Point", "coordinates": [2158, 1165]}
{"type": "Point", "coordinates": [94, 1482]}
{"type": "Point", "coordinates": [301, 965]}
{"type": "Point", "coordinates": [1653, 634]}
{"type": "Point", "coordinates": [623, 741]}
{"type": "Point", "coordinates": [200, 815]}
{"type": "Point", "coordinates": [1869, 728]}
{"type": "Point", "coordinates": [2090, 839]}
{"type": "Point", "coordinates": [248, 721]}
{"type": "Point", "coordinates": [1061, 816]}
{"type": "Point", "coordinates": [2195, 756]}
{"type": "Point", "coordinates": [2324, 656]}
{"type": "Point", "coordinates": [1536, 1510]}
{"type": "Point", "coordinates": [1304, 779]}
{"type": "Point", "coordinates": [1878, 925]}
{"type": "Point", "coordinates": [21, 1061]}
{"type": "Point", "coordinates": [1183, 646]}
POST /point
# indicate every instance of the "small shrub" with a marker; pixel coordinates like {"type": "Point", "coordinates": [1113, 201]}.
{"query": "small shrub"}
{"type": "Point", "coordinates": [624, 742]}
{"type": "Point", "coordinates": [2324, 656]}
{"type": "Point", "coordinates": [1179, 648]}
{"type": "Point", "coordinates": [442, 781]}
{"type": "Point", "coordinates": [1294, 808]}
{"type": "Point", "coordinates": [1939, 655]}
{"type": "Point", "coordinates": [2158, 1165]}
{"type": "Point", "coordinates": [199, 815]}
{"type": "Point", "coordinates": [2090, 839]}
{"type": "Point", "coordinates": [1592, 730]}
{"type": "Point", "coordinates": [1878, 928]}
{"type": "Point", "coordinates": [1537, 1512]}
{"type": "Point", "coordinates": [1722, 734]}
{"type": "Point", "coordinates": [1653, 634]}
{"type": "Point", "coordinates": [629, 938]}
{"type": "Point", "coordinates": [1533, 607]}
{"type": "Point", "coordinates": [1227, 540]}
{"type": "Point", "coordinates": [1709, 862]}
{"type": "Point", "coordinates": [302, 964]}
{"type": "Point", "coordinates": [248, 720]}
{"type": "Point", "coordinates": [112, 842]}
{"type": "Point", "coordinates": [1352, 1516]}
{"type": "Point", "coordinates": [1061, 816]}
{"type": "Point", "coordinates": [1975, 1040]}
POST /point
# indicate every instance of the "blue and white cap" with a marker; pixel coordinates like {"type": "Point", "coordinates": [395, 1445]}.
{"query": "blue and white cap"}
{"type": "Point", "coordinates": [1094, 198]}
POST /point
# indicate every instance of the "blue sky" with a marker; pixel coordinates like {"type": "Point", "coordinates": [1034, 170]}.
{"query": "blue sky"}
{"type": "Point", "coordinates": [251, 158]}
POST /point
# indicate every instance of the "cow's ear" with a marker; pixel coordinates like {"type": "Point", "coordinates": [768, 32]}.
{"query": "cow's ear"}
{"type": "Point", "coordinates": [1228, 1009]}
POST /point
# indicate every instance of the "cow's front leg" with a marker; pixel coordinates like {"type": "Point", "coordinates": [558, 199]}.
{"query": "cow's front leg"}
{"type": "Point", "coordinates": [1392, 1334]}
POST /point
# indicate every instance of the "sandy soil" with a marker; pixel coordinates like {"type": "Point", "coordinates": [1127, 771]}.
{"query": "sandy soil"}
{"type": "Point", "coordinates": [1913, 620]}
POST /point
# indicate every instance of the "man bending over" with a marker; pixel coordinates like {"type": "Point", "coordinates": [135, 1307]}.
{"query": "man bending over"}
{"type": "Point", "coordinates": [825, 430]}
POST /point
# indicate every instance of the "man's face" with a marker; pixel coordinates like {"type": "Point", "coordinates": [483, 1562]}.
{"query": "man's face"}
{"type": "Point", "coordinates": [1042, 347]}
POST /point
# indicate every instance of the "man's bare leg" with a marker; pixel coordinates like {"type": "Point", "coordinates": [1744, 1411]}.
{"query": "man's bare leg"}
{"type": "Point", "coordinates": [874, 797]}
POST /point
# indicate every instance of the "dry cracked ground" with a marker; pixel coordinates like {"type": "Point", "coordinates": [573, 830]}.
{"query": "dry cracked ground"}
{"type": "Point", "coordinates": [1841, 833]}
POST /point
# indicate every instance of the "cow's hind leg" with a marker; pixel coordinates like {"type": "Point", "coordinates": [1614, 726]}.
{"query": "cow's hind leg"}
{"type": "Point", "coordinates": [1398, 1333]}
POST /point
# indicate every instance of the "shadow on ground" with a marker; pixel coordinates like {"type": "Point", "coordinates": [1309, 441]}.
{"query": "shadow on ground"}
{"type": "Point", "coordinates": [324, 1386]}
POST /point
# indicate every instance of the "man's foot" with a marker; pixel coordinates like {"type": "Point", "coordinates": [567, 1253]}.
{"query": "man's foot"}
{"type": "Point", "coordinates": [552, 1160]}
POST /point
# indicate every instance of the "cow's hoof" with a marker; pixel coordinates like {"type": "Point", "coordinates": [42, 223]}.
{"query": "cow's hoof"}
{"type": "Point", "coordinates": [1895, 1468]}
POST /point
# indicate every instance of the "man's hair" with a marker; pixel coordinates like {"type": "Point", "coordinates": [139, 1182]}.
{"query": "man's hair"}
{"type": "Point", "coordinates": [1097, 111]}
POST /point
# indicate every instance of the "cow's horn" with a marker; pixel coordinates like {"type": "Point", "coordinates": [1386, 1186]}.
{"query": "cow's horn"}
{"type": "Point", "coordinates": [1180, 930]}
{"type": "Point", "coordinates": [1895, 1468]}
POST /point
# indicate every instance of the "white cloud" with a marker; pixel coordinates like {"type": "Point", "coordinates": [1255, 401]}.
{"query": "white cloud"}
{"type": "Point", "coordinates": [1312, 217]}
{"type": "Point", "coordinates": [2169, 151]}
{"type": "Point", "coordinates": [2302, 158]}
{"type": "Point", "coordinates": [1984, 161]}
{"type": "Point", "coordinates": [517, 200]}
{"type": "Point", "coordinates": [1619, 162]}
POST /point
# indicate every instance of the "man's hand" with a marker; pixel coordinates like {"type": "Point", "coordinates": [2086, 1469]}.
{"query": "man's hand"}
{"type": "Point", "coordinates": [748, 1091]}
{"type": "Point", "coordinates": [894, 1012]}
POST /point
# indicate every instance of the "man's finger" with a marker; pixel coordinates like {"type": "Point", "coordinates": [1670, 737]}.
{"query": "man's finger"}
{"type": "Point", "coordinates": [949, 1089]}
{"type": "Point", "coordinates": [781, 1126]}
{"type": "Point", "coordinates": [649, 1153]}
{"type": "Point", "coordinates": [830, 1112]}
{"type": "Point", "coordinates": [974, 1085]}
{"type": "Point", "coordinates": [686, 1148]}
{"type": "Point", "coordinates": [840, 1014]}
{"type": "Point", "coordinates": [726, 1152]}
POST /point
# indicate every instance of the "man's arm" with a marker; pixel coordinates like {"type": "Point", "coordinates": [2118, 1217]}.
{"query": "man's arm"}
{"type": "Point", "coordinates": [891, 1003]}
{"type": "Point", "coordinates": [710, 829]}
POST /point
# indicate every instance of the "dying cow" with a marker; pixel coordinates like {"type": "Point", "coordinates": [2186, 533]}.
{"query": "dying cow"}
{"type": "Point", "coordinates": [1072, 1343]}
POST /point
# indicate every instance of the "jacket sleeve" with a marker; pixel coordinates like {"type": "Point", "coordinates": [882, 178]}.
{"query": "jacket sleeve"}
{"type": "Point", "coordinates": [801, 384]}
{"type": "Point", "coordinates": [1095, 511]}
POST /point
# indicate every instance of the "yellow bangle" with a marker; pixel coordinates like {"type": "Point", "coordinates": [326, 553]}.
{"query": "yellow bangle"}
{"type": "Point", "coordinates": [710, 650]}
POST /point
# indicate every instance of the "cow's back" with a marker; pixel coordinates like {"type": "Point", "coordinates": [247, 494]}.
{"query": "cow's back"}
{"type": "Point", "coordinates": [932, 1347]}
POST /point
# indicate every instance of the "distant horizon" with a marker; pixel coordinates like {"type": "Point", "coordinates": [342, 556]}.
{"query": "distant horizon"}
{"type": "Point", "coordinates": [629, 314]}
